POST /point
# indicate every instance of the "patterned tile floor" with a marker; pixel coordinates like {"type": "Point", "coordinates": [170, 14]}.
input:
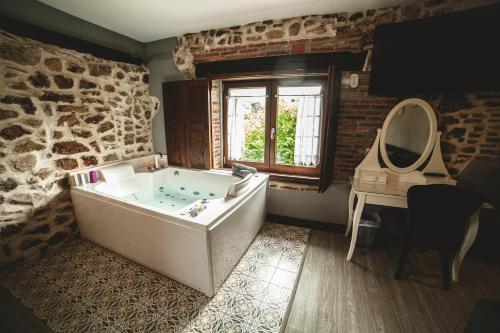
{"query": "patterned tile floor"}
{"type": "Point", "coordinates": [83, 287]}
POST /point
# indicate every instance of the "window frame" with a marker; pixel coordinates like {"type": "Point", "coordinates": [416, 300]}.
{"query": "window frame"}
{"type": "Point", "coordinates": [269, 165]}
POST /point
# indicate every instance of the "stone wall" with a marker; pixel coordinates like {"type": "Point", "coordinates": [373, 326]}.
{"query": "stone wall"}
{"type": "Point", "coordinates": [60, 110]}
{"type": "Point", "coordinates": [306, 34]}
{"type": "Point", "coordinates": [469, 121]}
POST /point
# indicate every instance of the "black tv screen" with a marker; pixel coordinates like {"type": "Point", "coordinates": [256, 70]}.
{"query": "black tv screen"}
{"type": "Point", "coordinates": [447, 53]}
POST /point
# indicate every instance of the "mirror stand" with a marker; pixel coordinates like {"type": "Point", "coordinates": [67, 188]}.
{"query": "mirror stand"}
{"type": "Point", "coordinates": [370, 170]}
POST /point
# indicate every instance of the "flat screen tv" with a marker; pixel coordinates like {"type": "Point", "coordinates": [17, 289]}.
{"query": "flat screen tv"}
{"type": "Point", "coordinates": [454, 52]}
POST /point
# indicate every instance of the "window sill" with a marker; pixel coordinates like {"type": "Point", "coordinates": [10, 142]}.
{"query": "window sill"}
{"type": "Point", "coordinates": [280, 181]}
{"type": "Point", "coordinates": [291, 186]}
{"type": "Point", "coordinates": [293, 182]}
{"type": "Point", "coordinates": [295, 179]}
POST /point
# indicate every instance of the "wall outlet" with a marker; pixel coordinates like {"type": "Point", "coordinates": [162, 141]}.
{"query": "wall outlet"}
{"type": "Point", "coordinates": [354, 81]}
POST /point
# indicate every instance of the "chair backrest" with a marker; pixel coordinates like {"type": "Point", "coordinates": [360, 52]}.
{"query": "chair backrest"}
{"type": "Point", "coordinates": [436, 212]}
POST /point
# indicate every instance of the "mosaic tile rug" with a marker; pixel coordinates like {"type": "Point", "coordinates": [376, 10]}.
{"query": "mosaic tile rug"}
{"type": "Point", "coordinates": [85, 288]}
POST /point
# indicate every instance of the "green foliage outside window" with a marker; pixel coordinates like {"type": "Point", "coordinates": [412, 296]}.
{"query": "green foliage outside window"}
{"type": "Point", "coordinates": [285, 136]}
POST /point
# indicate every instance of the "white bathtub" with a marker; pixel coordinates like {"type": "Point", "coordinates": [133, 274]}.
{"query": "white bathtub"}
{"type": "Point", "coordinates": [144, 218]}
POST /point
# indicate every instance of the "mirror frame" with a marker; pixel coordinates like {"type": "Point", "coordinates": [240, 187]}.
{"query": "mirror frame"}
{"type": "Point", "coordinates": [430, 140]}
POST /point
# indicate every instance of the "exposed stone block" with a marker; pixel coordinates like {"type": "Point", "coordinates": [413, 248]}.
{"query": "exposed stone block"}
{"type": "Point", "coordinates": [24, 162]}
{"type": "Point", "coordinates": [119, 75]}
{"type": "Point", "coordinates": [128, 139]}
{"type": "Point", "coordinates": [89, 160]}
{"type": "Point", "coordinates": [18, 86]}
{"type": "Point", "coordinates": [294, 29]}
{"type": "Point", "coordinates": [110, 157]}
{"type": "Point", "coordinates": [25, 103]}
{"type": "Point", "coordinates": [69, 147]}
{"type": "Point", "coordinates": [96, 119]}
{"type": "Point", "coordinates": [32, 122]}
{"type": "Point", "coordinates": [7, 185]}
{"type": "Point", "coordinates": [55, 97]}
{"type": "Point", "coordinates": [13, 132]}
{"type": "Point", "coordinates": [27, 145]}
{"type": "Point", "coordinates": [96, 147]}
{"type": "Point", "coordinates": [67, 163]}
{"type": "Point", "coordinates": [81, 133]}
{"type": "Point", "coordinates": [109, 88]}
{"type": "Point", "coordinates": [75, 68]}
{"type": "Point", "coordinates": [7, 114]}
{"type": "Point", "coordinates": [53, 64]}
{"type": "Point", "coordinates": [141, 139]}
{"type": "Point", "coordinates": [61, 219]}
{"type": "Point", "coordinates": [41, 229]}
{"type": "Point", "coordinates": [57, 238]}
{"type": "Point", "coordinates": [104, 127]}
{"type": "Point", "coordinates": [84, 84]}
{"type": "Point", "coordinates": [63, 82]}
{"type": "Point", "coordinates": [29, 243]}
{"type": "Point", "coordinates": [99, 70]}
{"type": "Point", "coordinates": [275, 34]}
{"type": "Point", "coordinates": [39, 80]}
{"type": "Point", "coordinates": [21, 54]}
{"type": "Point", "coordinates": [355, 16]}
{"type": "Point", "coordinates": [109, 138]}
{"type": "Point", "coordinates": [68, 120]}
{"type": "Point", "coordinates": [72, 108]}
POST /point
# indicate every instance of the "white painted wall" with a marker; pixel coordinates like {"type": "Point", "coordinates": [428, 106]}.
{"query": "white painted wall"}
{"type": "Point", "coordinates": [330, 206]}
{"type": "Point", "coordinates": [158, 59]}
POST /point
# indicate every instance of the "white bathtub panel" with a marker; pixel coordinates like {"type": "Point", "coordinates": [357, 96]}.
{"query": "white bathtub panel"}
{"type": "Point", "coordinates": [230, 238]}
{"type": "Point", "coordinates": [171, 249]}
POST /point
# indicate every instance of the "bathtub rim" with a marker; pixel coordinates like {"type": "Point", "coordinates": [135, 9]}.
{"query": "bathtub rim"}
{"type": "Point", "coordinates": [173, 217]}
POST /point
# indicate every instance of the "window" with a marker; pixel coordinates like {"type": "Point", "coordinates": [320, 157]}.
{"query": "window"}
{"type": "Point", "coordinates": [275, 125]}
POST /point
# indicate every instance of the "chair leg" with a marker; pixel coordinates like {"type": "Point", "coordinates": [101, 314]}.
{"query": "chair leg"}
{"type": "Point", "coordinates": [402, 260]}
{"type": "Point", "coordinates": [445, 266]}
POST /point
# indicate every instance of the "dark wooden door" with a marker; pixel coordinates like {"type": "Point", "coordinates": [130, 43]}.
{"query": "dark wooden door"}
{"type": "Point", "coordinates": [187, 123]}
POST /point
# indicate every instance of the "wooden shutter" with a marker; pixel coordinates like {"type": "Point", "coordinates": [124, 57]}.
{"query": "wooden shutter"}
{"type": "Point", "coordinates": [196, 100]}
{"type": "Point", "coordinates": [187, 123]}
{"type": "Point", "coordinates": [174, 123]}
{"type": "Point", "coordinates": [328, 148]}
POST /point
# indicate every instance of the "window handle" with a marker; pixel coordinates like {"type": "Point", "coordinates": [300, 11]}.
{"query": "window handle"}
{"type": "Point", "coordinates": [273, 131]}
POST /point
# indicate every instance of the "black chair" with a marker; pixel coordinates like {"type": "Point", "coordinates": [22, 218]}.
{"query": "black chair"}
{"type": "Point", "coordinates": [485, 317]}
{"type": "Point", "coordinates": [436, 213]}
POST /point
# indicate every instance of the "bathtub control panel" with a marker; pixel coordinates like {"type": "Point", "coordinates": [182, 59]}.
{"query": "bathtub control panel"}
{"type": "Point", "coordinates": [197, 208]}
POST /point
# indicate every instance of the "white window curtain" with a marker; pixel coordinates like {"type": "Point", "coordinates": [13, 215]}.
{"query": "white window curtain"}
{"type": "Point", "coordinates": [235, 128]}
{"type": "Point", "coordinates": [308, 130]}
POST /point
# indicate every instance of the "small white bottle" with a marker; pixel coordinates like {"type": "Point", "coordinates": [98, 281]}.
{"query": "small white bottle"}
{"type": "Point", "coordinates": [157, 162]}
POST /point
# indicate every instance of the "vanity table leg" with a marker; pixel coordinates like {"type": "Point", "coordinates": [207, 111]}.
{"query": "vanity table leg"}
{"type": "Point", "coordinates": [470, 236]}
{"type": "Point", "coordinates": [357, 216]}
{"type": "Point", "coordinates": [352, 195]}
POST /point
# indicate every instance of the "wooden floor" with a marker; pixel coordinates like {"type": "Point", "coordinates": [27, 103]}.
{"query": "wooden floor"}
{"type": "Point", "coordinates": [335, 295]}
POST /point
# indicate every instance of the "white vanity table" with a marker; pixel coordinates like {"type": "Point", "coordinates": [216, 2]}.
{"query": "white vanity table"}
{"type": "Point", "coordinates": [409, 146]}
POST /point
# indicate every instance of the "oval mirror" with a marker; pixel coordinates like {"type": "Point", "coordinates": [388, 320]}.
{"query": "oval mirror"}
{"type": "Point", "coordinates": [408, 135]}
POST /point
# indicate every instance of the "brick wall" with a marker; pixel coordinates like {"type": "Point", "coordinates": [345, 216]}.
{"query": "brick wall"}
{"type": "Point", "coordinates": [216, 112]}
{"type": "Point", "coordinates": [470, 126]}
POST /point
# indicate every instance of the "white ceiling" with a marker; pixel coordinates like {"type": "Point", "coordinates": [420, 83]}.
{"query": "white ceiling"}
{"type": "Point", "coordinates": [149, 20]}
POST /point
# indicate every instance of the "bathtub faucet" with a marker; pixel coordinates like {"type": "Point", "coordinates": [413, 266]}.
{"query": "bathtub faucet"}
{"type": "Point", "coordinates": [156, 164]}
